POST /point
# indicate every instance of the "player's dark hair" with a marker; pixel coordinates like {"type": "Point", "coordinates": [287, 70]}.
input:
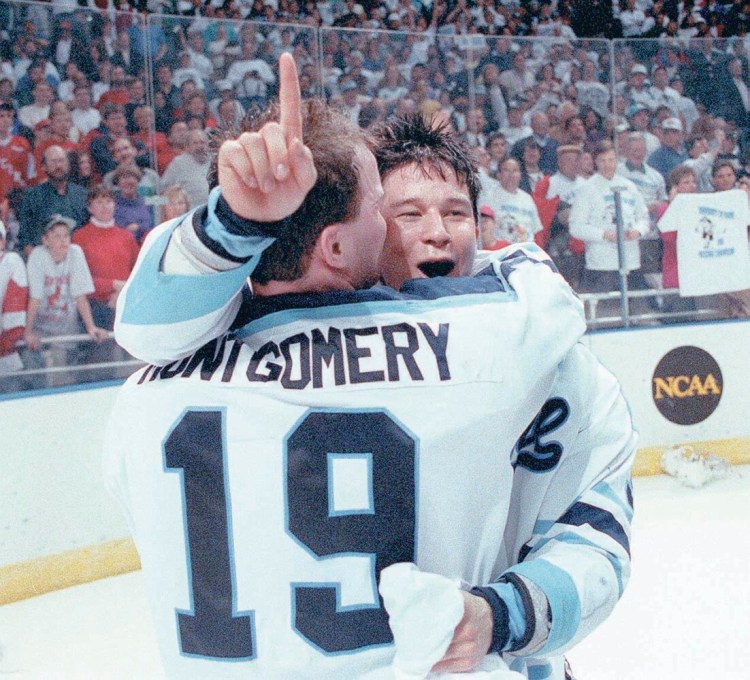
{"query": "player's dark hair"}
{"type": "Point", "coordinates": [333, 139]}
{"type": "Point", "coordinates": [431, 146]}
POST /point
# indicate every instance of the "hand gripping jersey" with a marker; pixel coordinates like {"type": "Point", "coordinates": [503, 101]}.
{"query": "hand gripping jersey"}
{"type": "Point", "coordinates": [271, 475]}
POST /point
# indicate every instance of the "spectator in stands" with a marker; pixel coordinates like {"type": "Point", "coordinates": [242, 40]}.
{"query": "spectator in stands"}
{"type": "Point", "coordinates": [14, 293]}
{"type": "Point", "coordinates": [670, 154]}
{"type": "Point", "coordinates": [56, 195]}
{"type": "Point", "coordinates": [118, 88]}
{"type": "Point", "coordinates": [17, 166]}
{"type": "Point", "coordinates": [530, 154]}
{"type": "Point", "coordinates": [723, 175]}
{"type": "Point", "coordinates": [648, 181]}
{"type": "Point", "coordinates": [38, 109]}
{"type": "Point", "coordinates": [125, 153]}
{"type": "Point", "coordinates": [701, 157]}
{"type": "Point", "coordinates": [735, 95]}
{"type": "Point", "coordinates": [248, 61]}
{"type": "Point", "coordinates": [553, 198]}
{"type": "Point", "coordinates": [682, 181]}
{"type": "Point", "coordinates": [115, 127]}
{"type": "Point", "coordinates": [59, 283]}
{"type": "Point", "coordinates": [131, 211]}
{"type": "Point", "coordinates": [497, 146]}
{"type": "Point", "coordinates": [196, 106]}
{"type": "Point", "coordinates": [110, 251]}
{"type": "Point", "coordinates": [515, 129]}
{"type": "Point", "coordinates": [517, 80]}
{"type": "Point", "coordinates": [81, 168]}
{"type": "Point", "coordinates": [155, 143]}
{"type": "Point", "coordinates": [124, 56]}
{"type": "Point", "coordinates": [635, 90]}
{"type": "Point", "coordinates": [176, 202]}
{"type": "Point", "coordinates": [61, 132]}
{"type": "Point", "coordinates": [166, 97]}
{"type": "Point", "coordinates": [190, 169]}
{"type": "Point", "coordinates": [592, 220]}
{"type": "Point", "coordinates": [515, 212]}
{"type": "Point", "coordinates": [225, 91]}
{"type": "Point", "coordinates": [85, 117]}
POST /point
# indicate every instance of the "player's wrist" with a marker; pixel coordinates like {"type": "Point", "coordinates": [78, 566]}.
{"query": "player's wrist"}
{"type": "Point", "coordinates": [500, 618]}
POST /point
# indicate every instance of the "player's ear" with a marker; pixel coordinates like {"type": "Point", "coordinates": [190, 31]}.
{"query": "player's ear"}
{"type": "Point", "coordinates": [331, 247]}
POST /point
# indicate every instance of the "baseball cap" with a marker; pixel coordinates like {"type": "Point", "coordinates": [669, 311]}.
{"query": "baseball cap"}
{"type": "Point", "coordinates": [635, 108]}
{"type": "Point", "coordinates": [56, 219]}
{"type": "Point", "coordinates": [671, 124]}
{"type": "Point", "coordinates": [639, 68]}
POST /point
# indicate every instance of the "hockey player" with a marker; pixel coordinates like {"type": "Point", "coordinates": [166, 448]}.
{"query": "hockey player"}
{"type": "Point", "coordinates": [521, 608]}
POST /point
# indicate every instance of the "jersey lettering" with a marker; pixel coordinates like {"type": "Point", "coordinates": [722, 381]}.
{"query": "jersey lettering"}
{"type": "Point", "coordinates": [530, 451]}
{"type": "Point", "coordinates": [381, 527]}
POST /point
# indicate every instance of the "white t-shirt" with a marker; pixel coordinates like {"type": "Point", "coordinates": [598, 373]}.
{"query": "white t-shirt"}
{"type": "Point", "coordinates": [57, 285]}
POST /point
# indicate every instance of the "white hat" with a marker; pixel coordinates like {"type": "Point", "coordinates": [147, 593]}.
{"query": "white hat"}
{"type": "Point", "coordinates": [224, 84]}
{"type": "Point", "coordinates": [639, 68]}
{"type": "Point", "coordinates": [3, 230]}
{"type": "Point", "coordinates": [671, 124]}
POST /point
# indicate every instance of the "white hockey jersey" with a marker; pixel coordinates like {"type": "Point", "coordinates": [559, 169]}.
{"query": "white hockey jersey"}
{"type": "Point", "coordinates": [270, 476]}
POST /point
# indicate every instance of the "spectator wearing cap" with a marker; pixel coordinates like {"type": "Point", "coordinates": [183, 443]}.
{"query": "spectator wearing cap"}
{"type": "Point", "coordinates": [17, 165]}
{"type": "Point", "coordinates": [110, 251]}
{"type": "Point", "coordinates": [14, 293]}
{"type": "Point", "coordinates": [56, 195]}
{"type": "Point", "coordinates": [670, 154]}
{"type": "Point", "coordinates": [634, 89]}
{"type": "Point", "coordinates": [639, 118]}
{"type": "Point", "coordinates": [553, 197]}
{"type": "Point", "coordinates": [131, 211]}
{"type": "Point", "coordinates": [592, 220]}
{"type": "Point", "coordinates": [59, 283]}
{"type": "Point", "coordinates": [515, 128]}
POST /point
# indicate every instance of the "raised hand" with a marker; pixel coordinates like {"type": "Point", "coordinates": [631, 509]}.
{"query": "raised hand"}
{"type": "Point", "coordinates": [265, 175]}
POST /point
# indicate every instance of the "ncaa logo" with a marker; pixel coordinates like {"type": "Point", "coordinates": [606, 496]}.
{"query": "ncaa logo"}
{"type": "Point", "coordinates": [687, 385]}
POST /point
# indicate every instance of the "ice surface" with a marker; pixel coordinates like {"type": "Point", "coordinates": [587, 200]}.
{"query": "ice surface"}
{"type": "Point", "coordinates": [685, 615]}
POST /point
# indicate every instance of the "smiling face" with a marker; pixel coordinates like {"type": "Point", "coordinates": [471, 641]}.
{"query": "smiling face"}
{"type": "Point", "coordinates": [430, 225]}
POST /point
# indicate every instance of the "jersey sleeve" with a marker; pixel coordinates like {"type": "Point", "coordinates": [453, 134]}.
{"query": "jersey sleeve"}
{"type": "Point", "coordinates": [166, 315]}
{"type": "Point", "coordinates": [567, 541]}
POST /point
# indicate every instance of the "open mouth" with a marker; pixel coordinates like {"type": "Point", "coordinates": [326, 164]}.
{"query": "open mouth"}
{"type": "Point", "coordinates": [441, 268]}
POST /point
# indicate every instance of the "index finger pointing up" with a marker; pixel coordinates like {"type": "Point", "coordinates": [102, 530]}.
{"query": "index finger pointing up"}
{"type": "Point", "coordinates": [290, 99]}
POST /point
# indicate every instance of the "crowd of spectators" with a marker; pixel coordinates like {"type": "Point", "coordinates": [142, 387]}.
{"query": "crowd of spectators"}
{"type": "Point", "coordinates": [126, 102]}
